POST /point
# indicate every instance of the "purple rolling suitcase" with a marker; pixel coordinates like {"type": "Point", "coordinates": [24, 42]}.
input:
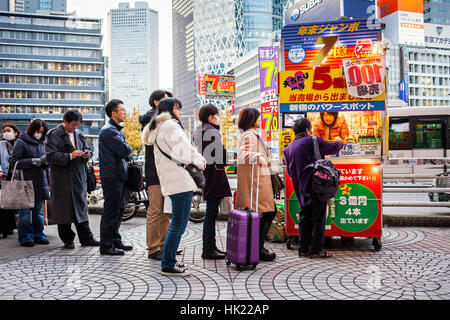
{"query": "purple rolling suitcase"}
{"type": "Point", "coordinates": [243, 234]}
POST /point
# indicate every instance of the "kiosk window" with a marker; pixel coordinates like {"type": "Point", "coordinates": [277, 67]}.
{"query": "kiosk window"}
{"type": "Point", "coordinates": [428, 135]}
{"type": "Point", "coordinates": [399, 135]}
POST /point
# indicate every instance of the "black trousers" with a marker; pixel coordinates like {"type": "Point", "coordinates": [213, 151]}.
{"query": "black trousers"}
{"type": "Point", "coordinates": [114, 192]}
{"type": "Point", "coordinates": [312, 226]}
{"type": "Point", "coordinates": [209, 225]}
{"type": "Point", "coordinates": [67, 235]}
{"type": "Point", "coordinates": [7, 221]}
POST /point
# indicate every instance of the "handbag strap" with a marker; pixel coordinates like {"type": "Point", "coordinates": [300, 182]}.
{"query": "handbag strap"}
{"type": "Point", "coordinates": [14, 172]}
{"type": "Point", "coordinates": [178, 163]}
{"type": "Point", "coordinates": [317, 154]}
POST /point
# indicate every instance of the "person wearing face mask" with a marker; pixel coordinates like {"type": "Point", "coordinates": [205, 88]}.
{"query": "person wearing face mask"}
{"type": "Point", "coordinates": [251, 150]}
{"type": "Point", "coordinates": [29, 156]}
{"type": "Point", "coordinates": [114, 152]}
{"type": "Point", "coordinates": [208, 140]}
{"type": "Point", "coordinates": [10, 135]}
{"type": "Point", "coordinates": [67, 154]}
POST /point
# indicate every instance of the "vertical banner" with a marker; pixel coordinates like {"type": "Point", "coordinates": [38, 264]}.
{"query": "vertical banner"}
{"type": "Point", "coordinates": [268, 68]}
{"type": "Point", "coordinates": [201, 84]}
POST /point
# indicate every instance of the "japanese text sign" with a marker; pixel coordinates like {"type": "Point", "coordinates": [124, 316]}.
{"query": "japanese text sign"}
{"type": "Point", "coordinates": [216, 86]}
{"type": "Point", "coordinates": [365, 77]}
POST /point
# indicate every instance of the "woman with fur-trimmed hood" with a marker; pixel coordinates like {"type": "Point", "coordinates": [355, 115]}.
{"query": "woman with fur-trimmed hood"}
{"type": "Point", "coordinates": [166, 133]}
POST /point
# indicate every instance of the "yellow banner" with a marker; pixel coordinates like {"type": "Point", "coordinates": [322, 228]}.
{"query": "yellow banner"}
{"type": "Point", "coordinates": [322, 85]}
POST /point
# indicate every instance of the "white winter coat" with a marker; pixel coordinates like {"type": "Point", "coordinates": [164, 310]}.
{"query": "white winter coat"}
{"type": "Point", "coordinates": [174, 142]}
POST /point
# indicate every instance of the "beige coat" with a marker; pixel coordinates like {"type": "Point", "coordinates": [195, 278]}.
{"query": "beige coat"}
{"type": "Point", "coordinates": [249, 149]}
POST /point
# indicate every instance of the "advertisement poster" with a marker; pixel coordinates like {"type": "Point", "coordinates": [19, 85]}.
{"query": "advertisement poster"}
{"type": "Point", "coordinates": [365, 77]}
{"type": "Point", "coordinates": [325, 43]}
{"type": "Point", "coordinates": [268, 68]}
{"type": "Point", "coordinates": [356, 209]}
{"type": "Point", "coordinates": [216, 86]}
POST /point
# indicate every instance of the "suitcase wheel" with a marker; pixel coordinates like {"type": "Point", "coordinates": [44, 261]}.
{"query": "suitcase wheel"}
{"type": "Point", "coordinates": [254, 266]}
{"type": "Point", "coordinates": [238, 267]}
{"type": "Point", "coordinates": [228, 263]}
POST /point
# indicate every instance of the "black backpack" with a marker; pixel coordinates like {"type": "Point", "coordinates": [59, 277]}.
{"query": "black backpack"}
{"type": "Point", "coordinates": [325, 177]}
{"type": "Point", "coordinates": [91, 178]}
{"type": "Point", "coordinates": [135, 177]}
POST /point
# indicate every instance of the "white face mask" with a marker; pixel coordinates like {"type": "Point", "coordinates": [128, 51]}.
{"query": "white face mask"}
{"type": "Point", "coordinates": [37, 136]}
{"type": "Point", "coordinates": [9, 136]}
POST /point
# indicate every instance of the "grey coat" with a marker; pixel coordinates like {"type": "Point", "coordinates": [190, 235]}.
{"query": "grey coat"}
{"type": "Point", "coordinates": [68, 177]}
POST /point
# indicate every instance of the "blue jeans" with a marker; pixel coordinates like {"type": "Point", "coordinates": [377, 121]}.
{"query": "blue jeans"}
{"type": "Point", "coordinates": [181, 209]}
{"type": "Point", "coordinates": [30, 224]}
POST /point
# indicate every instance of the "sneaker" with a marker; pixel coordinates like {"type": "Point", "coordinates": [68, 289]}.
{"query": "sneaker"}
{"type": "Point", "coordinates": [181, 265]}
{"type": "Point", "coordinates": [42, 241]}
{"type": "Point", "coordinates": [175, 272]}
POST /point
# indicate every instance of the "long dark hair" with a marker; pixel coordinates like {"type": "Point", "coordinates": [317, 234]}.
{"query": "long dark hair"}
{"type": "Point", "coordinates": [334, 114]}
{"type": "Point", "coordinates": [166, 105]}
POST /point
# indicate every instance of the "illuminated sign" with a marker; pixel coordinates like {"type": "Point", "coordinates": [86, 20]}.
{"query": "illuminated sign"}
{"type": "Point", "coordinates": [216, 86]}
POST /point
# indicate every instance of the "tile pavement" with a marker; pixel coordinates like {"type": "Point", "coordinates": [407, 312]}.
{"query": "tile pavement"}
{"type": "Point", "coordinates": [413, 264]}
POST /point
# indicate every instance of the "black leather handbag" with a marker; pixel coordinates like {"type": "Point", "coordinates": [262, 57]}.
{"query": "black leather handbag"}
{"type": "Point", "coordinates": [90, 178]}
{"type": "Point", "coordinates": [193, 171]}
{"type": "Point", "coordinates": [135, 177]}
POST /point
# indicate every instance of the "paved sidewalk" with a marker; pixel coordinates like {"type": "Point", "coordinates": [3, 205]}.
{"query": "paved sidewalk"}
{"type": "Point", "coordinates": [413, 264]}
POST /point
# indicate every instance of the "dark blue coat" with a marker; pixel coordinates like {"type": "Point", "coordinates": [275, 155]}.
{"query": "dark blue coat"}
{"type": "Point", "coordinates": [25, 149]}
{"type": "Point", "coordinates": [113, 152]}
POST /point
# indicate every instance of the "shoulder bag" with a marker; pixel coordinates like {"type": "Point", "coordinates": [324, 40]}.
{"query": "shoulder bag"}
{"type": "Point", "coordinates": [193, 171]}
{"type": "Point", "coordinates": [17, 194]}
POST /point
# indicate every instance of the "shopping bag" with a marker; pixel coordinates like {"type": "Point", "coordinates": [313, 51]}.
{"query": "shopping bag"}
{"type": "Point", "coordinates": [17, 194]}
{"type": "Point", "coordinates": [278, 228]}
{"type": "Point", "coordinates": [226, 205]}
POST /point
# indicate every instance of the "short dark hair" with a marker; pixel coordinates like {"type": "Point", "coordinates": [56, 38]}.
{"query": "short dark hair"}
{"type": "Point", "coordinates": [207, 110]}
{"type": "Point", "coordinates": [35, 126]}
{"type": "Point", "coordinates": [247, 118]}
{"type": "Point", "coordinates": [334, 114]}
{"type": "Point", "coordinates": [12, 126]}
{"type": "Point", "coordinates": [112, 106]}
{"type": "Point", "coordinates": [72, 115]}
{"type": "Point", "coordinates": [158, 95]}
{"type": "Point", "coordinates": [300, 125]}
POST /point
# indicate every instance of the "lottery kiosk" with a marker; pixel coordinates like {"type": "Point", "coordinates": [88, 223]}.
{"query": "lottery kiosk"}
{"type": "Point", "coordinates": [334, 74]}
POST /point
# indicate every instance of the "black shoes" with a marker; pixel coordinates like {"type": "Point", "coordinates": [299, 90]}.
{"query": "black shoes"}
{"type": "Point", "coordinates": [28, 244]}
{"type": "Point", "coordinates": [112, 252]}
{"type": "Point", "coordinates": [213, 255]}
{"type": "Point", "coordinates": [69, 245]}
{"type": "Point", "coordinates": [266, 255]}
{"type": "Point", "coordinates": [157, 255]}
{"type": "Point", "coordinates": [91, 243]}
{"type": "Point", "coordinates": [42, 241]}
{"type": "Point", "coordinates": [123, 247]}
{"type": "Point", "coordinates": [176, 271]}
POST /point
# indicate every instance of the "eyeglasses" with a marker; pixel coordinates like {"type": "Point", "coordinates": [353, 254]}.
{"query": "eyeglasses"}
{"type": "Point", "coordinates": [121, 110]}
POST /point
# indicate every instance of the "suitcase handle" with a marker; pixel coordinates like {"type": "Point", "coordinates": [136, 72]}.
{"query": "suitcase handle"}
{"type": "Point", "coordinates": [257, 186]}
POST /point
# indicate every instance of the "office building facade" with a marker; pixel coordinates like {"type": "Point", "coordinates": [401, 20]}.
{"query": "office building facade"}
{"type": "Point", "coordinates": [436, 11]}
{"type": "Point", "coordinates": [33, 6]}
{"type": "Point", "coordinates": [49, 65]}
{"type": "Point", "coordinates": [216, 34]}
{"type": "Point", "coordinates": [134, 59]}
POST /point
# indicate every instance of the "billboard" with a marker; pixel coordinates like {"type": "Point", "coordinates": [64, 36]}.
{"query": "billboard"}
{"type": "Point", "coordinates": [214, 86]}
{"type": "Point", "coordinates": [437, 36]}
{"type": "Point", "coordinates": [306, 11]}
{"type": "Point", "coordinates": [404, 21]}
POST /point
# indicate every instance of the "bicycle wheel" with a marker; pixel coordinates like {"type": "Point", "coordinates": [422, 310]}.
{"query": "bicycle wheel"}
{"type": "Point", "coordinates": [196, 216]}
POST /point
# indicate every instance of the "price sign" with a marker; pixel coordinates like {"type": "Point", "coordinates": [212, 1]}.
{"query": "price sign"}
{"type": "Point", "coordinates": [365, 77]}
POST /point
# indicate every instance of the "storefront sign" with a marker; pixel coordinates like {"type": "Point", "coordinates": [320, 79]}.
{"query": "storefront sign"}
{"type": "Point", "coordinates": [268, 69]}
{"type": "Point", "coordinates": [323, 89]}
{"type": "Point", "coordinates": [216, 86]}
{"type": "Point", "coordinates": [365, 77]}
{"type": "Point", "coordinates": [356, 209]}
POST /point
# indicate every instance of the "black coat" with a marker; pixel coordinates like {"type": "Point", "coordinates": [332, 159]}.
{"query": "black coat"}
{"type": "Point", "coordinates": [68, 177]}
{"type": "Point", "coordinates": [25, 149]}
{"type": "Point", "coordinates": [208, 141]}
{"type": "Point", "coordinates": [151, 176]}
{"type": "Point", "coordinates": [113, 152]}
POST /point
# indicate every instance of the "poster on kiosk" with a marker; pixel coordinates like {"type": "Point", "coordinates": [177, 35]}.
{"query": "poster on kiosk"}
{"type": "Point", "coordinates": [335, 76]}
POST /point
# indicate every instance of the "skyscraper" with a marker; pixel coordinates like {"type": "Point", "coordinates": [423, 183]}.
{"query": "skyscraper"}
{"type": "Point", "coordinates": [436, 11]}
{"type": "Point", "coordinates": [33, 6]}
{"type": "Point", "coordinates": [133, 54]}
{"type": "Point", "coordinates": [214, 34]}
{"type": "Point", "coordinates": [49, 65]}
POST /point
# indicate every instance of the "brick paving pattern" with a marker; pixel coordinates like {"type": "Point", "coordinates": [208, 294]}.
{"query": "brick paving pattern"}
{"type": "Point", "coordinates": [413, 264]}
